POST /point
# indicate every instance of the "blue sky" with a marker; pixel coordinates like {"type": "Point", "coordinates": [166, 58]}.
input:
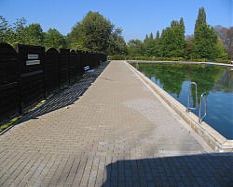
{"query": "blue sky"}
{"type": "Point", "coordinates": [135, 17]}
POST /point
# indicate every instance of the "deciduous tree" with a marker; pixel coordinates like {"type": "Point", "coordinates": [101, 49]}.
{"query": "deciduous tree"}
{"type": "Point", "coordinates": [33, 34]}
{"type": "Point", "coordinates": [92, 33]}
{"type": "Point", "coordinates": [53, 38]}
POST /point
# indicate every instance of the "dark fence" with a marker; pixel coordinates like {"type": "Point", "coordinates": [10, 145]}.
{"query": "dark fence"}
{"type": "Point", "coordinates": [52, 70]}
{"type": "Point", "coordinates": [9, 81]}
{"type": "Point", "coordinates": [32, 74]}
{"type": "Point", "coordinates": [29, 74]}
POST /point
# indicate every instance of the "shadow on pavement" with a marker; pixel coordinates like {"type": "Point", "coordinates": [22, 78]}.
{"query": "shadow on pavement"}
{"type": "Point", "coordinates": [205, 170]}
{"type": "Point", "coordinates": [65, 97]}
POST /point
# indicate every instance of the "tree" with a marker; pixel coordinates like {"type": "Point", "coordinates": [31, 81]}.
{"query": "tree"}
{"type": "Point", "coordinates": [226, 36]}
{"type": "Point", "coordinates": [149, 45]}
{"type": "Point", "coordinates": [117, 45]}
{"type": "Point", "coordinates": [205, 39]}
{"type": "Point", "coordinates": [201, 20]}
{"type": "Point", "coordinates": [157, 50]}
{"type": "Point", "coordinates": [3, 29]}
{"type": "Point", "coordinates": [151, 37]}
{"type": "Point", "coordinates": [6, 31]}
{"type": "Point", "coordinates": [157, 35]}
{"type": "Point", "coordinates": [19, 31]}
{"type": "Point", "coordinates": [135, 47]}
{"type": "Point", "coordinates": [189, 47]}
{"type": "Point", "coordinates": [146, 38]}
{"type": "Point", "coordinates": [229, 42]}
{"type": "Point", "coordinates": [92, 33]}
{"type": "Point", "coordinates": [172, 40]}
{"type": "Point", "coordinates": [33, 34]}
{"type": "Point", "coordinates": [221, 52]}
{"type": "Point", "coordinates": [53, 38]}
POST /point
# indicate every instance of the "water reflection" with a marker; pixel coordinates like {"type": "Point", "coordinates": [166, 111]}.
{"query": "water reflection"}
{"type": "Point", "coordinates": [216, 81]}
{"type": "Point", "coordinates": [225, 83]}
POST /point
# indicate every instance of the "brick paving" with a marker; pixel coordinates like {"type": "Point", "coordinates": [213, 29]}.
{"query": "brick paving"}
{"type": "Point", "coordinates": [117, 134]}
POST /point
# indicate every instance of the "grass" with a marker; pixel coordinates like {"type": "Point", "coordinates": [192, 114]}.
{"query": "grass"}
{"type": "Point", "coordinates": [10, 123]}
{"type": "Point", "coordinates": [15, 120]}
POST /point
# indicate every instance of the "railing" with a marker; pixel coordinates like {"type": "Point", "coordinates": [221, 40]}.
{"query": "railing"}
{"type": "Point", "coordinates": [203, 98]}
{"type": "Point", "coordinates": [195, 106]}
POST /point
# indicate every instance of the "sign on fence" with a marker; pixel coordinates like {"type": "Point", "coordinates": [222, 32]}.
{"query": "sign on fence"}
{"type": "Point", "coordinates": [33, 59]}
{"type": "Point", "coordinates": [32, 84]}
{"type": "Point", "coordinates": [32, 62]}
{"type": "Point", "coordinates": [33, 56]}
{"type": "Point", "coordinates": [28, 74]}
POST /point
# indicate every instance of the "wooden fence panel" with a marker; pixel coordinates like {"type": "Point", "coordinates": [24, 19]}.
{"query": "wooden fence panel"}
{"type": "Point", "coordinates": [81, 58]}
{"type": "Point", "coordinates": [32, 77]}
{"type": "Point", "coordinates": [91, 60]}
{"type": "Point", "coordinates": [79, 63]}
{"type": "Point", "coordinates": [9, 85]}
{"type": "Point", "coordinates": [73, 66]}
{"type": "Point", "coordinates": [28, 73]}
{"type": "Point", "coordinates": [64, 68]}
{"type": "Point", "coordinates": [85, 59]}
{"type": "Point", "coordinates": [52, 70]}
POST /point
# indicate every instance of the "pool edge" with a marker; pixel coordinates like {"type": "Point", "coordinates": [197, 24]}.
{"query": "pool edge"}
{"type": "Point", "coordinates": [213, 138]}
{"type": "Point", "coordinates": [180, 62]}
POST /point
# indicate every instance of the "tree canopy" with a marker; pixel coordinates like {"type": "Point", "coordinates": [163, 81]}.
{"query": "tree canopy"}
{"type": "Point", "coordinates": [203, 45]}
{"type": "Point", "coordinates": [172, 41]}
{"type": "Point", "coordinates": [135, 47]}
{"type": "Point", "coordinates": [205, 39]}
{"type": "Point", "coordinates": [4, 30]}
{"type": "Point", "coordinates": [93, 33]}
{"type": "Point", "coordinates": [33, 34]}
{"type": "Point", "coordinates": [53, 38]}
{"type": "Point", "coordinates": [117, 44]}
{"type": "Point", "coordinates": [226, 36]}
{"type": "Point", "coordinates": [96, 33]}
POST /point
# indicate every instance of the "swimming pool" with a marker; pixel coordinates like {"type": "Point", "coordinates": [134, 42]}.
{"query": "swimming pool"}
{"type": "Point", "coordinates": [215, 81]}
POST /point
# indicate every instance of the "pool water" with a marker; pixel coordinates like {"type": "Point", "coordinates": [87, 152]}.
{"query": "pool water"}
{"type": "Point", "coordinates": [216, 81]}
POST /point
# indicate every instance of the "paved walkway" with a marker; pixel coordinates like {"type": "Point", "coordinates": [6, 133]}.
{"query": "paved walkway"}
{"type": "Point", "coordinates": [117, 134]}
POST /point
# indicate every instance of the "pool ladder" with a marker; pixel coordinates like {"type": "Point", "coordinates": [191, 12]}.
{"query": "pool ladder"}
{"type": "Point", "coordinates": [203, 102]}
{"type": "Point", "coordinates": [202, 98]}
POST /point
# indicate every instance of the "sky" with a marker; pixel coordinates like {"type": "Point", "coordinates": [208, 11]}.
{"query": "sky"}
{"type": "Point", "coordinates": [135, 17]}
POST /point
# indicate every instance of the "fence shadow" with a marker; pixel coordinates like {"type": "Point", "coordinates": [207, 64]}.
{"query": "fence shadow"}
{"type": "Point", "coordinates": [65, 97]}
{"type": "Point", "coordinates": [29, 74]}
{"type": "Point", "coordinates": [213, 170]}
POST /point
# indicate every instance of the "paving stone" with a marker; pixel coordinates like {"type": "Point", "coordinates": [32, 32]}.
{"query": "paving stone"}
{"type": "Point", "coordinates": [117, 133]}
